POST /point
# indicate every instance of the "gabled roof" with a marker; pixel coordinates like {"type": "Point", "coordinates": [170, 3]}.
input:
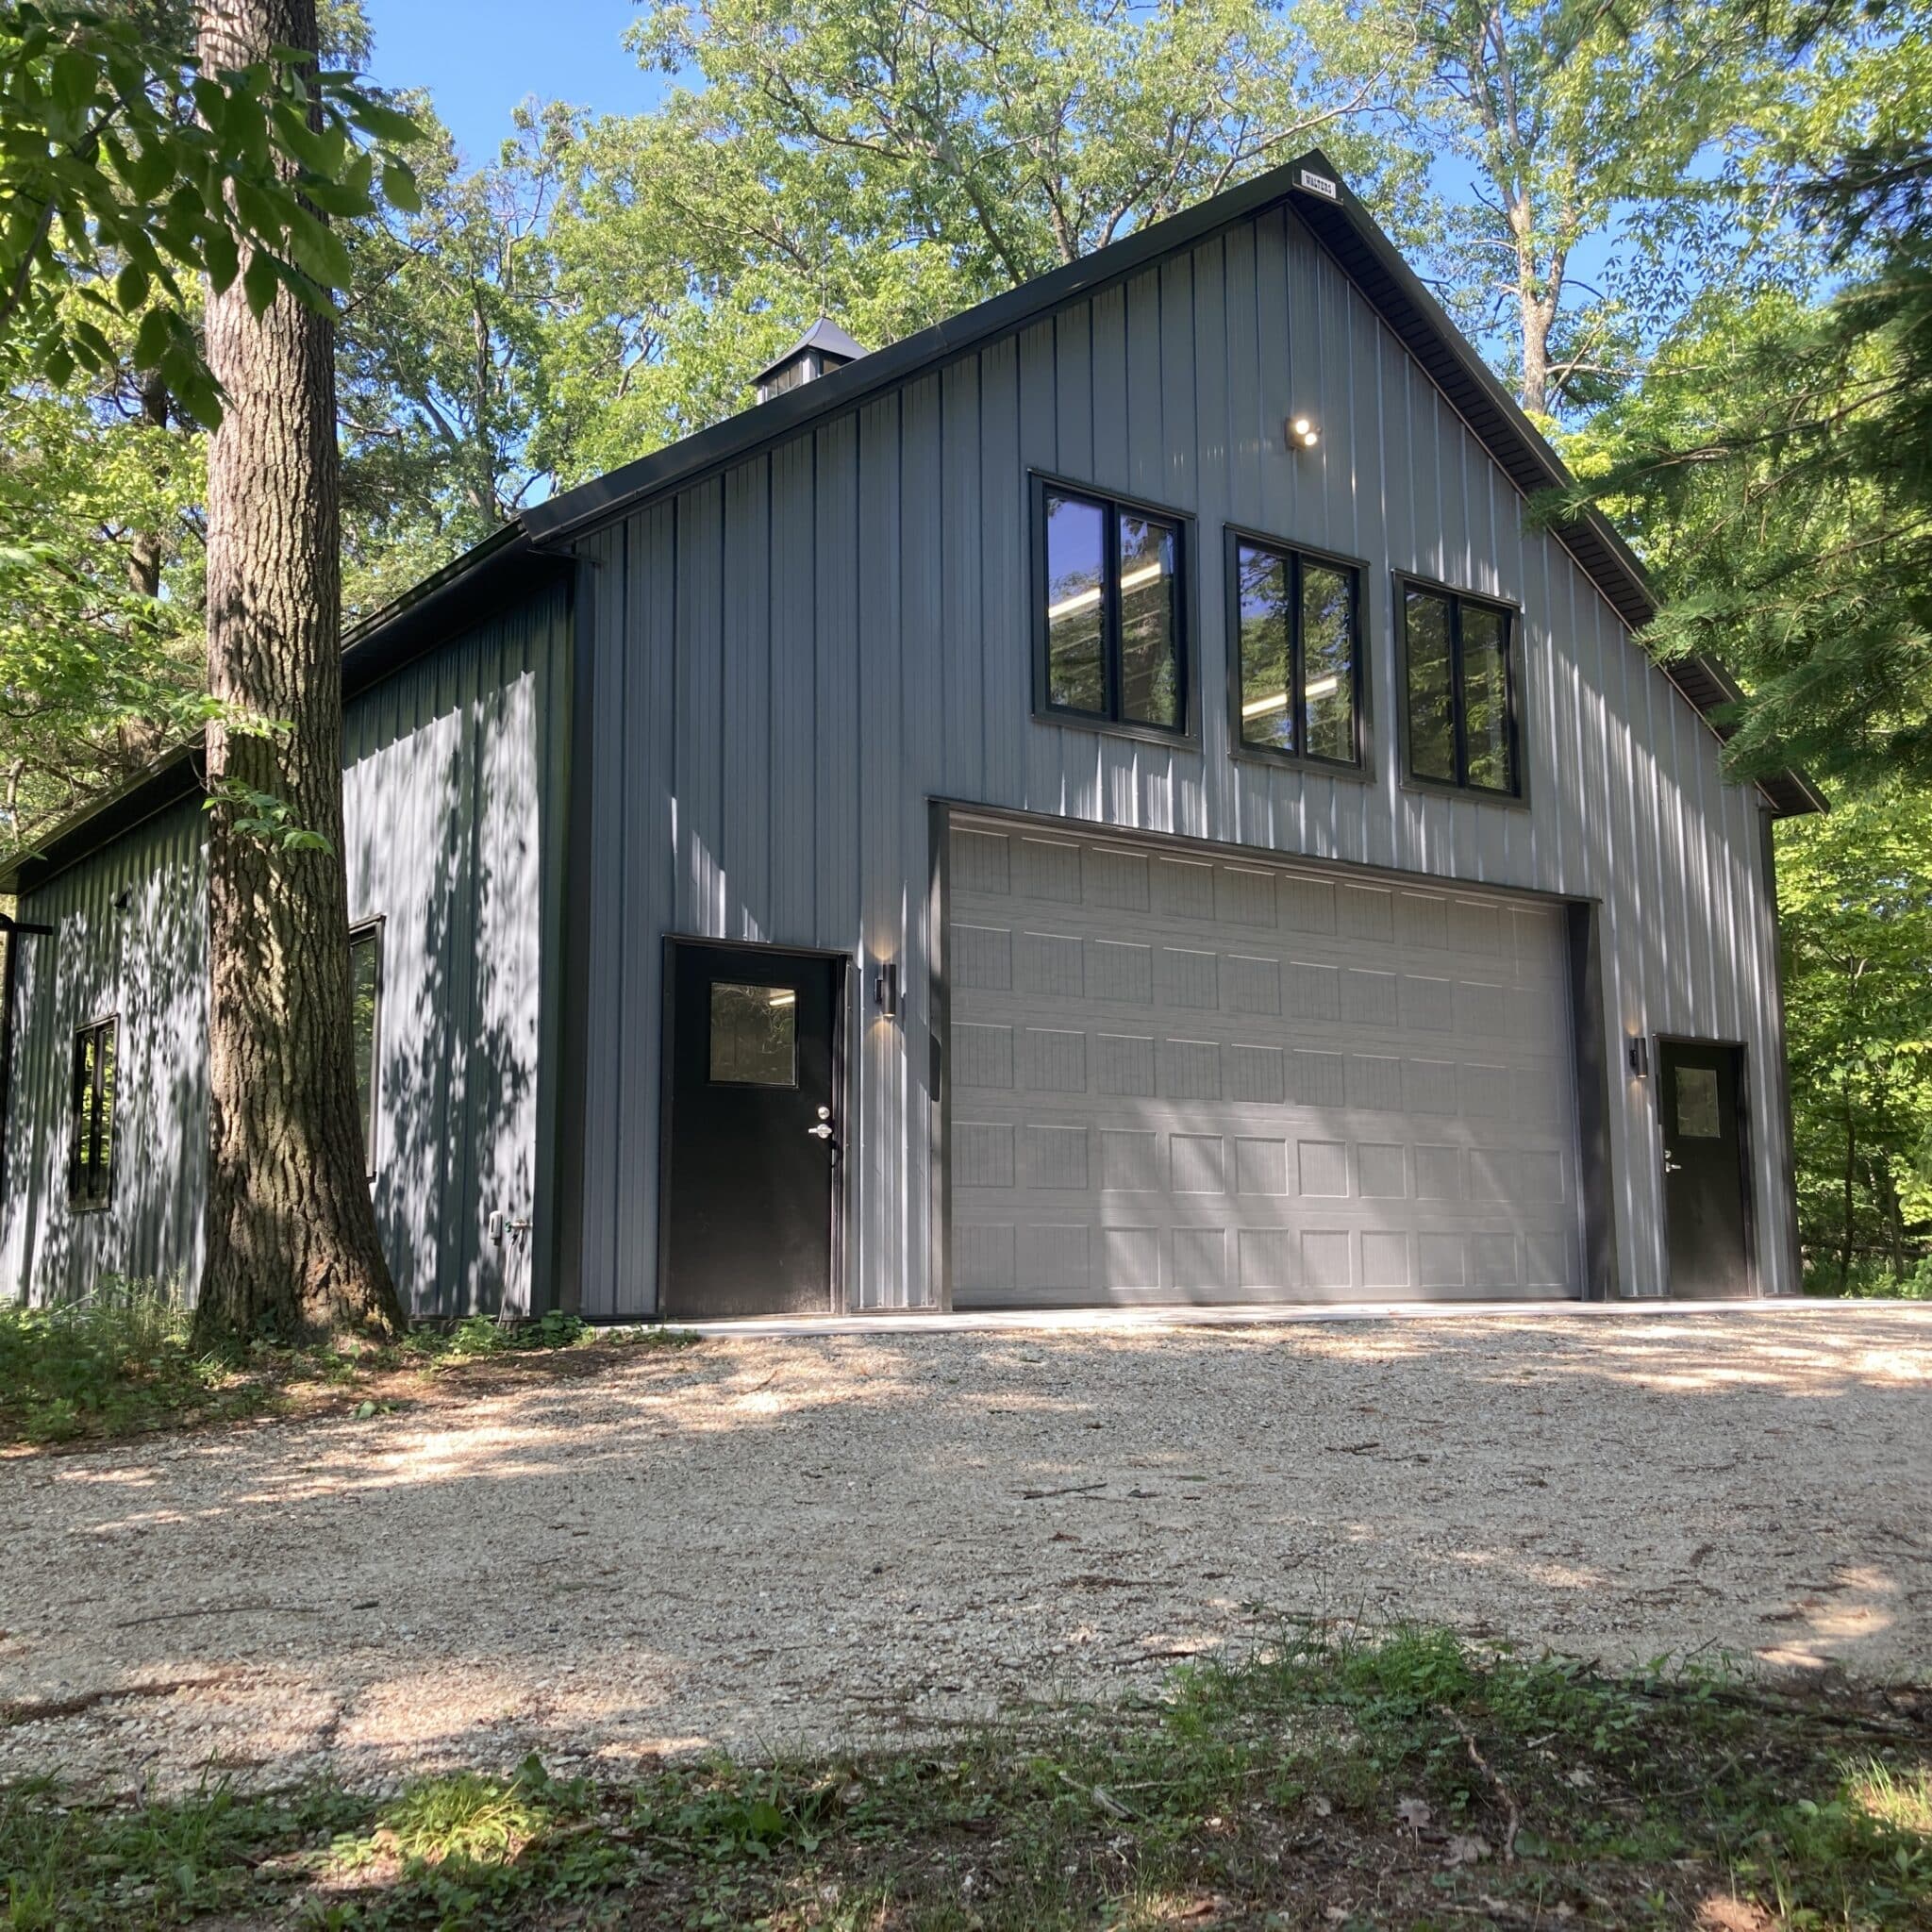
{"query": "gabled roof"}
{"type": "Point", "coordinates": [531, 546]}
{"type": "Point", "coordinates": [823, 335]}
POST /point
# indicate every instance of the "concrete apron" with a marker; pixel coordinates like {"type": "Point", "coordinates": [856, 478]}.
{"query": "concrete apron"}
{"type": "Point", "coordinates": [1179, 1315]}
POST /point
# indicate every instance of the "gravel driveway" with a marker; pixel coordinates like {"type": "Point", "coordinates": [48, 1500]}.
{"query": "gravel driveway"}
{"type": "Point", "coordinates": [777, 1544]}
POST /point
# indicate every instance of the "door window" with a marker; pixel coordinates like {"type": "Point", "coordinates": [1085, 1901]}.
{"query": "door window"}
{"type": "Point", "coordinates": [754, 1034]}
{"type": "Point", "coordinates": [1697, 1116]}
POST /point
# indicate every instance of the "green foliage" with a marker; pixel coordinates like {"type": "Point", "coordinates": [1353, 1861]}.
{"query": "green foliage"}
{"type": "Point", "coordinates": [1641, 134]}
{"type": "Point", "coordinates": [889, 167]}
{"type": "Point", "coordinates": [1385, 1779]}
{"type": "Point", "coordinates": [128, 167]}
{"type": "Point", "coordinates": [112, 1364]}
{"type": "Point", "coordinates": [1776, 467]}
{"type": "Point", "coordinates": [1856, 901]}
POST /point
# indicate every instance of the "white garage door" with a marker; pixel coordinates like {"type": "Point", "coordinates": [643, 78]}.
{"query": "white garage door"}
{"type": "Point", "coordinates": [1180, 1078]}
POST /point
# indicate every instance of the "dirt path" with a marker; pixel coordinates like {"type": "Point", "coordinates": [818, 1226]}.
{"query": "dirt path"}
{"type": "Point", "coordinates": [771, 1544]}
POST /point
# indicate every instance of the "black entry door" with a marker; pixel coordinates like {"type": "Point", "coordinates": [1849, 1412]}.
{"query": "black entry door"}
{"type": "Point", "coordinates": [751, 1130]}
{"type": "Point", "coordinates": [1706, 1194]}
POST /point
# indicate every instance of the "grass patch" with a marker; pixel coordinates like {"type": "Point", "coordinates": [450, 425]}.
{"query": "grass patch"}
{"type": "Point", "coordinates": [120, 1363]}
{"type": "Point", "coordinates": [1399, 1781]}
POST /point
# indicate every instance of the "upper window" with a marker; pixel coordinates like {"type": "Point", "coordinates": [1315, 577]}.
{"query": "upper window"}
{"type": "Point", "coordinates": [1111, 642]}
{"type": "Point", "coordinates": [1461, 691]}
{"type": "Point", "coordinates": [365, 1023]}
{"type": "Point", "coordinates": [91, 1163]}
{"type": "Point", "coordinates": [1298, 619]}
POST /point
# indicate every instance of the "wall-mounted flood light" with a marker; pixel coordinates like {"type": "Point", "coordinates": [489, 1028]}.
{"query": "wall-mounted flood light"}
{"type": "Point", "coordinates": [1302, 430]}
{"type": "Point", "coordinates": [885, 992]}
{"type": "Point", "coordinates": [1638, 1055]}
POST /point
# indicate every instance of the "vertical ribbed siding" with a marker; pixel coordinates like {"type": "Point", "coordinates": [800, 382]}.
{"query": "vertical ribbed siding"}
{"type": "Point", "coordinates": [857, 602]}
{"type": "Point", "coordinates": [453, 778]}
{"type": "Point", "coordinates": [144, 962]}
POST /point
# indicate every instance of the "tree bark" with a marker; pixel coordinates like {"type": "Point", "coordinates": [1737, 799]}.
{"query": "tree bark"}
{"type": "Point", "coordinates": [292, 1244]}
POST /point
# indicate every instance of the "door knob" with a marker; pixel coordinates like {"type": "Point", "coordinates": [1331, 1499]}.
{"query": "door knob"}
{"type": "Point", "coordinates": [822, 1132]}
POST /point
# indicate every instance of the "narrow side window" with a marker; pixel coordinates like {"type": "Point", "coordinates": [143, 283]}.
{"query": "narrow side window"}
{"type": "Point", "coordinates": [90, 1161]}
{"type": "Point", "coordinates": [365, 1023]}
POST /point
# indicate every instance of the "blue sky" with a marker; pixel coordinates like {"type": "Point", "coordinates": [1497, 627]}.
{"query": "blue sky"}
{"type": "Point", "coordinates": [480, 57]}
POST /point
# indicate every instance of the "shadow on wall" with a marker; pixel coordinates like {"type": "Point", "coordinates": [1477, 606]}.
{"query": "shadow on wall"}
{"type": "Point", "coordinates": [444, 814]}
{"type": "Point", "coordinates": [129, 943]}
{"type": "Point", "coordinates": [445, 797]}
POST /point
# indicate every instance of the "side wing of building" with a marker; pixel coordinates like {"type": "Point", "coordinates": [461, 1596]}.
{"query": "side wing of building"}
{"type": "Point", "coordinates": [454, 772]}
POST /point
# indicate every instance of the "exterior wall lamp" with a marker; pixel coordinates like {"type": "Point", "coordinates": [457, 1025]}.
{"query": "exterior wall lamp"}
{"type": "Point", "coordinates": [1637, 1054]}
{"type": "Point", "coordinates": [1302, 430]}
{"type": "Point", "coordinates": [885, 991]}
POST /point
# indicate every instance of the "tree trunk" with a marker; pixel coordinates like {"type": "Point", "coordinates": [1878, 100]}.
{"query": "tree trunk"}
{"type": "Point", "coordinates": [291, 1243]}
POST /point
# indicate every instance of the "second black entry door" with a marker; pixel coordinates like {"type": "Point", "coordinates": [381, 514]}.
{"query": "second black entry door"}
{"type": "Point", "coordinates": [753, 1130]}
{"type": "Point", "coordinates": [1699, 1085]}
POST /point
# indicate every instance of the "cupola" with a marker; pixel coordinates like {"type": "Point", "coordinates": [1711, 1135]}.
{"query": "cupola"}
{"type": "Point", "coordinates": [823, 347]}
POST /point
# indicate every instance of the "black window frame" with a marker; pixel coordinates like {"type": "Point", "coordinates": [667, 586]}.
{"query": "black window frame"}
{"type": "Point", "coordinates": [1237, 537]}
{"type": "Point", "coordinates": [1111, 505]}
{"type": "Point", "coordinates": [1461, 786]}
{"type": "Point", "coordinates": [84, 1118]}
{"type": "Point", "coordinates": [370, 931]}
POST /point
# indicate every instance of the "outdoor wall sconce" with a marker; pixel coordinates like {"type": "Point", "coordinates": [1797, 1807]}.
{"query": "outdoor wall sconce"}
{"type": "Point", "coordinates": [885, 992]}
{"type": "Point", "coordinates": [1302, 430]}
{"type": "Point", "coordinates": [1637, 1054]}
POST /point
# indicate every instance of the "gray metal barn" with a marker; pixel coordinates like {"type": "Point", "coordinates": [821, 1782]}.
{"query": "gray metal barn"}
{"type": "Point", "coordinates": [1105, 800]}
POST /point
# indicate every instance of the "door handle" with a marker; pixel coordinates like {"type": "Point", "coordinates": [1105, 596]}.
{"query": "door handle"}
{"type": "Point", "coordinates": [1671, 1166]}
{"type": "Point", "coordinates": [822, 1132]}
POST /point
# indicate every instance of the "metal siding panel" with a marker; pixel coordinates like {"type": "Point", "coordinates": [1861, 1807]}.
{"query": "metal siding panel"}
{"type": "Point", "coordinates": [881, 1156]}
{"type": "Point", "coordinates": [605, 988]}
{"type": "Point", "coordinates": [836, 622]}
{"type": "Point", "coordinates": [962, 643]}
{"type": "Point", "coordinates": [702, 883]}
{"type": "Point", "coordinates": [1006, 689]}
{"type": "Point", "coordinates": [791, 802]}
{"type": "Point", "coordinates": [745, 779]}
{"type": "Point", "coordinates": [643, 784]}
{"type": "Point", "coordinates": [924, 537]}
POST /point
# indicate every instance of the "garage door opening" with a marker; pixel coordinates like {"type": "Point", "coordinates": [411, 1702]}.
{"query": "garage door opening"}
{"type": "Point", "coordinates": [1178, 1076]}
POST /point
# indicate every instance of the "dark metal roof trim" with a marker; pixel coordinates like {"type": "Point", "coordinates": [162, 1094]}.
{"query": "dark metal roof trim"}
{"type": "Point", "coordinates": [609, 496]}
{"type": "Point", "coordinates": [465, 590]}
{"type": "Point", "coordinates": [176, 775]}
{"type": "Point", "coordinates": [527, 549]}
{"type": "Point", "coordinates": [1350, 234]}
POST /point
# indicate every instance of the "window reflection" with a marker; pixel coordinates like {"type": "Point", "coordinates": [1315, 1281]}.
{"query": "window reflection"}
{"type": "Point", "coordinates": [1150, 682]}
{"type": "Point", "coordinates": [754, 1034]}
{"type": "Point", "coordinates": [1076, 597]}
{"type": "Point", "coordinates": [1267, 718]}
{"type": "Point", "coordinates": [1486, 698]}
{"type": "Point", "coordinates": [1431, 688]}
{"type": "Point", "coordinates": [1328, 663]}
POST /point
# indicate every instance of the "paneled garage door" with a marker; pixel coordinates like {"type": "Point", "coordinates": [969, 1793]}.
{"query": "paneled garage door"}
{"type": "Point", "coordinates": [1177, 1077]}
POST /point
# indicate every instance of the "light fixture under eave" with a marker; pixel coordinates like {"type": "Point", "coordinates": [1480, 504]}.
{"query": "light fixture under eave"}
{"type": "Point", "coordinates": [1302, 429]}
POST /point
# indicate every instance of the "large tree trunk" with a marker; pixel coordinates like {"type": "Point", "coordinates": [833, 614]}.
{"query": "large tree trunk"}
{"type": "Point", "coordinates": [292, 1241]}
